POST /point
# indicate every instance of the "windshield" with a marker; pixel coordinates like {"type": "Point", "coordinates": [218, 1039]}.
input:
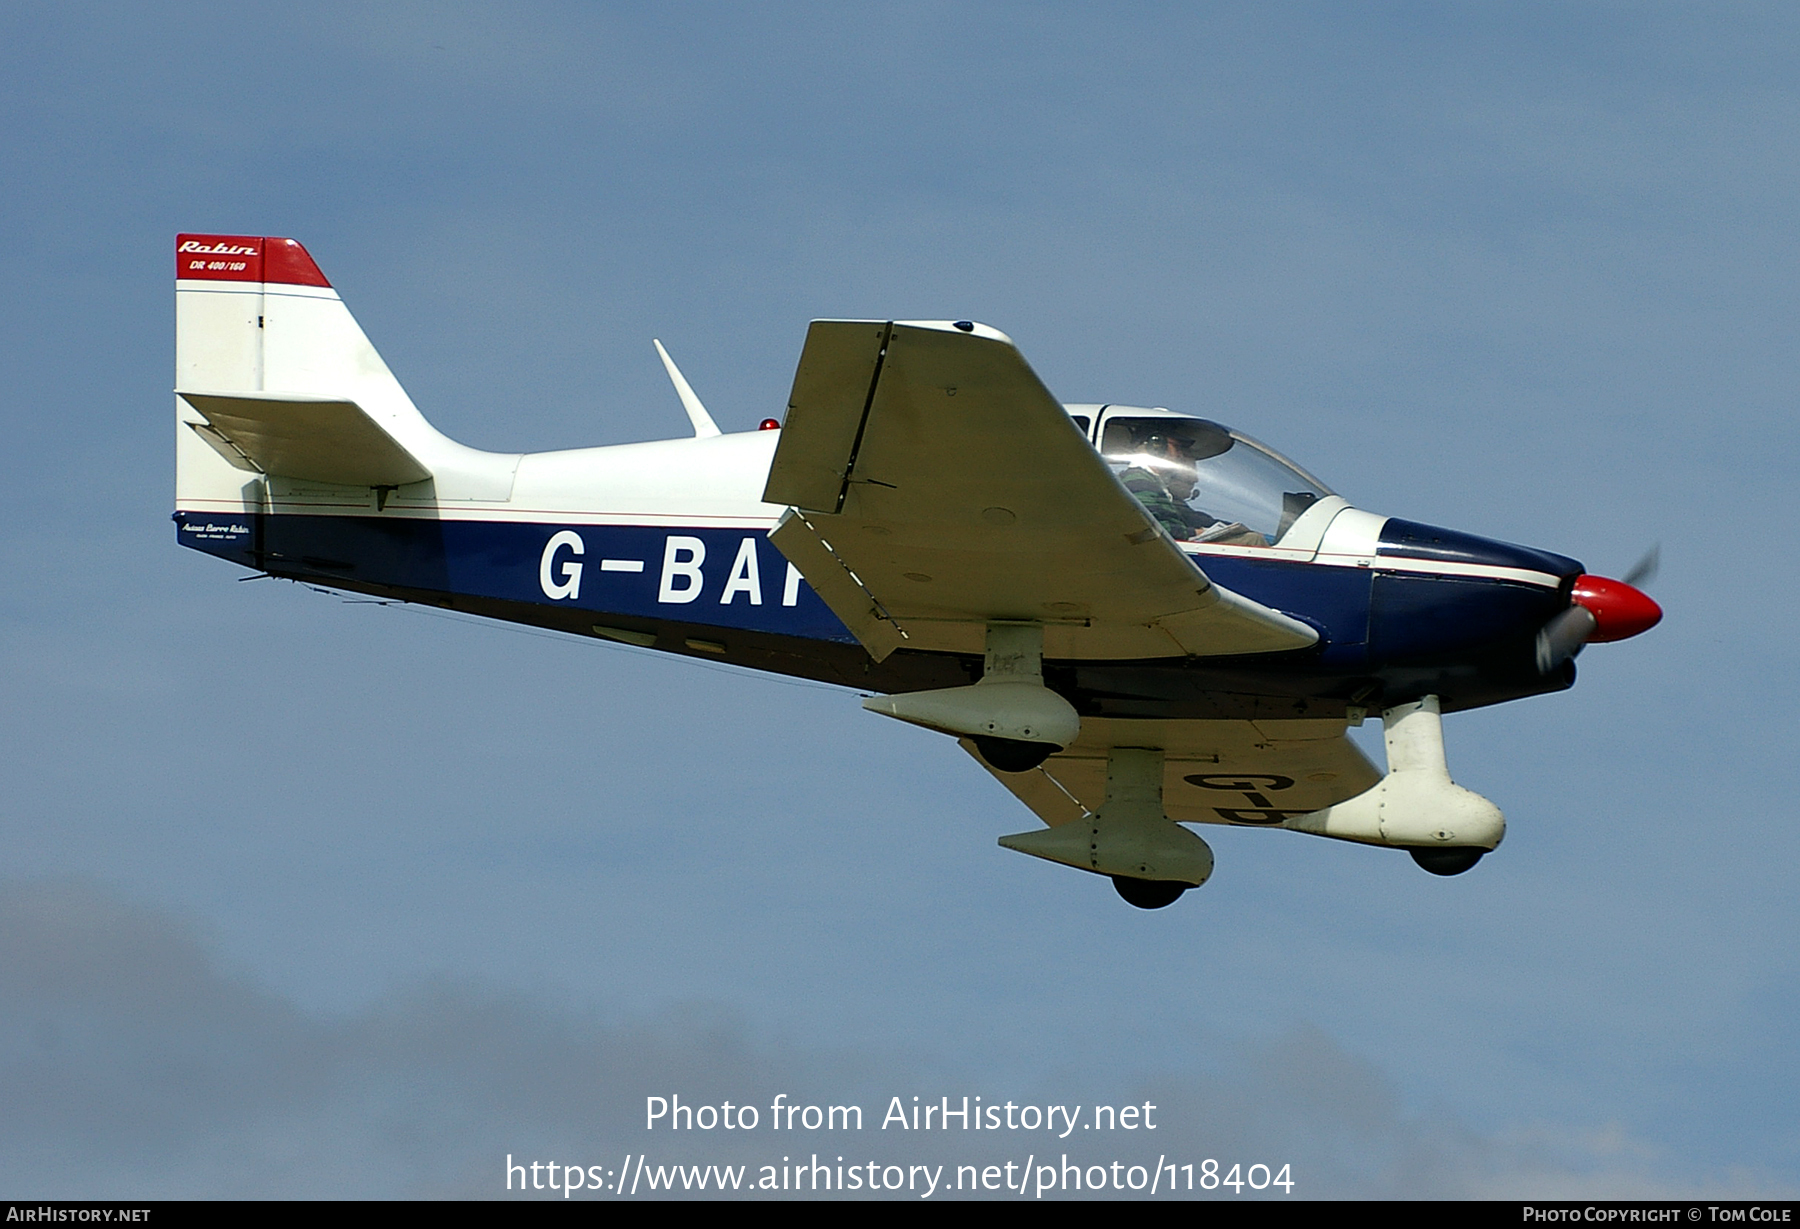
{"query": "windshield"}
{"type": "Point", "coordinates": [1207, 483]}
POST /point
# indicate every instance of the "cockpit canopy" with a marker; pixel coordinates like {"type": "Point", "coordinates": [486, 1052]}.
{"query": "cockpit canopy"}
{"type": "Point", "coordinates": [1203, 482]}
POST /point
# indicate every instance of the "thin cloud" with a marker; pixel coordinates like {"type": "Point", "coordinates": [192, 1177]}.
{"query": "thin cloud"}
{"type": "Point", "coordinates": [150, 1071]}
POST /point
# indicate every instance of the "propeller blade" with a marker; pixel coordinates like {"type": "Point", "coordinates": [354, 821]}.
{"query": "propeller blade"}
{"type": "Point", "coordinates": [1644, 570]}
{"type": "Point", "coordinates": [1563, 637]}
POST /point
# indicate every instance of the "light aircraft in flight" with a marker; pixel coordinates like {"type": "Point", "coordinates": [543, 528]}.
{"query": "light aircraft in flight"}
{"type": "Point", "coordinates": [1135, 619]}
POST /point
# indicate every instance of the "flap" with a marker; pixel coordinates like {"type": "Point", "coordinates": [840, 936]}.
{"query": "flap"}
{"type": "Point", "coordinates": [837, 586]}
{"type": "Point", "coordinates": [957, 491]}
{"type": "Point", "coordinates": [320, 439]}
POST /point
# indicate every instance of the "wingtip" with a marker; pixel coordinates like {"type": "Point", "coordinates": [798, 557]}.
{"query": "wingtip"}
{"type": "Point", "coordinates": [968, 328]}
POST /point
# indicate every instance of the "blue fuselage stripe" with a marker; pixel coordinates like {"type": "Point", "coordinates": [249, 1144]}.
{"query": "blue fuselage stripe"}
{"type": "Point", "coordinates": [736, 579]}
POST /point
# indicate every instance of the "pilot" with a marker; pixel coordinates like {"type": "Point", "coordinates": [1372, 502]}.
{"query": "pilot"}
{"type": "Point", "coordinates": [1163, 480]}
{"type": "Point", "coordinates": [1166, 478]}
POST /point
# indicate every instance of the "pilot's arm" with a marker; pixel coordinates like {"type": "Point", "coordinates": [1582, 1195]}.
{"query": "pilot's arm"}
{"type": "Point", "coordinates": [1148, 490]}
{"type": "Point", "coordinates": [1204, 528]}
{"type": "Point", "coordinates": [1196, 519]}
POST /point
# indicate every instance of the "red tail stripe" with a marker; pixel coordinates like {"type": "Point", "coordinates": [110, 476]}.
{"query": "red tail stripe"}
{"type": "Point", "coordinates": [245, 258]}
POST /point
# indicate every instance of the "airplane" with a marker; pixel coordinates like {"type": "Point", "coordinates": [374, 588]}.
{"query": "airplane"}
{"type": "Point", "coordinates": [1135, 619]}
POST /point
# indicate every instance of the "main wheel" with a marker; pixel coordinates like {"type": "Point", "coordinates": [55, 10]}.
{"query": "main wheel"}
{"type": "Point", "coordinates": [1148, 893]}
{"type": "Point", "coordinates": [1453, 860]}
{"type": "Point", "coordinates": [1012, 754]}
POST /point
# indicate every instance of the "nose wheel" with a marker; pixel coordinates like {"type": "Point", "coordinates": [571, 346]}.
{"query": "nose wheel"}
{"type": "Point", "coordinates": [1452, 861]}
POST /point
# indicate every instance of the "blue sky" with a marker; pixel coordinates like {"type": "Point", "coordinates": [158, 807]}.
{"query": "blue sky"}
{"type": "Point", "coordinates": [1528, 271]}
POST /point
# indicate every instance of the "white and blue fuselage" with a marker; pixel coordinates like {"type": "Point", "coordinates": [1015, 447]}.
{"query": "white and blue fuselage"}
{"type": "Point", "coordinates": [1136, 619]}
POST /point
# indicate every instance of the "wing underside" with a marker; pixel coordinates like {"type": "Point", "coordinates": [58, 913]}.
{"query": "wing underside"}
{"type": "Point", "coordinates": [1258, 773]}
{"type": "Point", "coordinates": [936, 486]}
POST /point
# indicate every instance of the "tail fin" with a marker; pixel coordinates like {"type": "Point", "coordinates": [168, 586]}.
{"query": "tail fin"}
{"type": "Point", "coordinates": [277, 386]}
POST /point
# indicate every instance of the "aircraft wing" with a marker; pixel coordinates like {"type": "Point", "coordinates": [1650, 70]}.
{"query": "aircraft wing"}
{"type": "Point", "coordinates": [1245, 772]}
{"type": "Point", "coordinates": [934, 485]}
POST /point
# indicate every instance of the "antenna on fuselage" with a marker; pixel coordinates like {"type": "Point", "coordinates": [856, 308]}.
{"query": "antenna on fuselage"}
{"type": "Point", "coordinates": [703, 423]}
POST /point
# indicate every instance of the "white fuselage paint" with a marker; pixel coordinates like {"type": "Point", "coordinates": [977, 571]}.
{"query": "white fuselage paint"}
{"type": "Point", "coordinates": [246, 336]}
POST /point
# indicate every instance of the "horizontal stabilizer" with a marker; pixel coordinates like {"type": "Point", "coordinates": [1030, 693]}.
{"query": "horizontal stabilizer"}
{"type": "Point", "coordinates": [318, 439]}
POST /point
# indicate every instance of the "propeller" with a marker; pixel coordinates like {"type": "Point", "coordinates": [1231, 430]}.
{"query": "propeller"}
{"type": "Point", "coordinates": [1645, 569]}
{"type": "Point", "coordinates": [1564, 636]}
{"type": "Point", "coordinates": [1600, 610]}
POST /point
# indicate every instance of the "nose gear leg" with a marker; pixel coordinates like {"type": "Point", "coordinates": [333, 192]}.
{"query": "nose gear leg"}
{"type": "Point", "coordinates": [1416, 807]}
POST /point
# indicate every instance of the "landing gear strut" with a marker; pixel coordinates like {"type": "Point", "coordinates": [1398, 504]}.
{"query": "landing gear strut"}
{"type": "Point", "coordinates": [1015, 722]}
{"type": "Point", "coordinates": [1416, 807]}
{"type": "Point", "coordinates": [1151, 859]}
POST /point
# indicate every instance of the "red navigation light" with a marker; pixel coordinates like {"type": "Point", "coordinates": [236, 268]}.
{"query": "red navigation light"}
{"type": "Point", "coordinates": [1619, 610]}
{"type": "Point", "coordinates": [770, 424]}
